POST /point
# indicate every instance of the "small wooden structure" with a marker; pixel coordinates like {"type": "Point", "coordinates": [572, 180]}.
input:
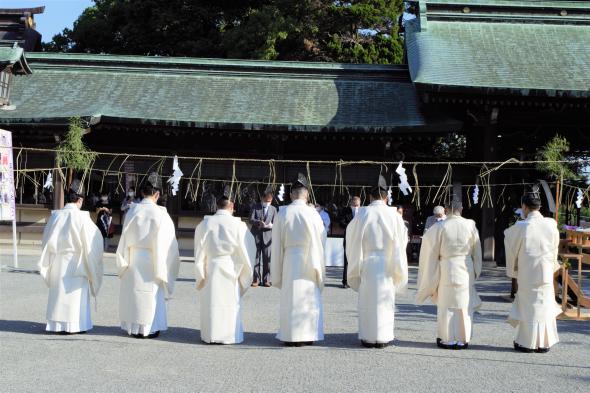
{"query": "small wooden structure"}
{"type": "Point", "coordinates": [572, 248]}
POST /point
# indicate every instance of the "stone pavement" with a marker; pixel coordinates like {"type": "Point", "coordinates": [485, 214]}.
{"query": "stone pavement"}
{"type": "Point", "coordinates": [106, 360]}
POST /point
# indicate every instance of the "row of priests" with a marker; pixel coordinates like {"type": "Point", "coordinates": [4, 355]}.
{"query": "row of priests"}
{"type": "Point", "coordinates": [147, 261]}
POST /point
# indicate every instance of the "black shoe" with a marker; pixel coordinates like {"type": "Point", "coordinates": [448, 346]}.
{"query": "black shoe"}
{"type": "Point", "coordinates": [344, 285]}
{"type": "Point", "coordinates": [463, 346]}
{"type": "Point", "coordinates": [64, 333]}
{"type": "Point", "coordinates": [520, 348]}
{"type": "Point", "coordinates": [440, 344]}
{"type": "Point", "coordinates": [153, 335]}
{"type": "Point", "coordinates": [293, 343]}
{"type": "Point", "coordinates": [367, 344]}
{"type": "Point", "coordinates": [542, 350]}
{"type": "Point", "coordinates": [381, 345]}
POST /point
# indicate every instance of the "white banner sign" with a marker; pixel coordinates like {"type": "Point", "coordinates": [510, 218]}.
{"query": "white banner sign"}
{"type": "Point", "coordinates": [7, 193]}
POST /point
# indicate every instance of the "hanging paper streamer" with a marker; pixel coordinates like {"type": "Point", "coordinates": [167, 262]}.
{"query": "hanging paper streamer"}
{"type": "Point", "coordinates": [176, 175]}
{"type": "Point", "coordinates": [389, 196]}
{"type": "Point", "coordinates": [281, 194]}
{"type": "Point", "coordinates": [476, 195]}
{"type": "Point", "coordinates": [580, 198]}
{"type": "Point", "coordinates": [404, 186]}
{"type": "Point", "coordinates": [48, 182]}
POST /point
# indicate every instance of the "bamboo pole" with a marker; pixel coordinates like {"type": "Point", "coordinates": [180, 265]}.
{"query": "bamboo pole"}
{"type": "Point", "coordinates": [558, 192]}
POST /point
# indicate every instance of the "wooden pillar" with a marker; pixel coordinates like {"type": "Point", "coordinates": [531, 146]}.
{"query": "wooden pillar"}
{"type": "Point", "coordinates": [488, 214]}
{"type": "Point", "coordinates": [58, 188]}
{"type": "Point", "coordinates": [58, 192]}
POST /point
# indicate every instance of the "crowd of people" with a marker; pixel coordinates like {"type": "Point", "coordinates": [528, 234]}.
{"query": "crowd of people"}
{"type": "Point", "coordinates": [284, 248]}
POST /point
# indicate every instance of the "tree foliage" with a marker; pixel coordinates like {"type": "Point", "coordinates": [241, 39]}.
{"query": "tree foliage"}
{"type": "Point", "coordinates": [356, 31]}
{"type": "Point", "coordinates": [552, 153]}
{"type": "Point", "coordinates": [72, 152]}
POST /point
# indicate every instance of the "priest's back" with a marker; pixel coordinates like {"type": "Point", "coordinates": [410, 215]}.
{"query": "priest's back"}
{"type": "Point", "coordinates": [71, 265]}
{"type": "Point", "coordinates": [148, 263]}
{"type": "Point", "coordinates": [297, 268]}
{"type": "Point", "coordinates": [224, 250]}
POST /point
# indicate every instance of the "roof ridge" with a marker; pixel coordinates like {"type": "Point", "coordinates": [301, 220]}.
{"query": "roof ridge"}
{"type": "Point", "coordinates": [19, 11]}
{"type": "Point", "coordinates": [514, 11]}
{"type": "Point", "coordinates": [186, 65]}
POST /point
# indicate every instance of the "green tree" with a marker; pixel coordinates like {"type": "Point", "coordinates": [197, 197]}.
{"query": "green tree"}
{"type": "Point", "coordinates": [152, 27]}
{"type": "Point", "coordinates": [356, 31]}
{"type": "Point", "coordinates": [551, 155]}
{"type": "Point", "coordinates": [72, 153]}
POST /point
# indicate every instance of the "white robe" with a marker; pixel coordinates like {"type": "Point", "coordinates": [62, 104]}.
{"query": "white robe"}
{"type": "Point", "coordinates": [298, 270]}
{"type": "Point", "coordinates": [376, 241]}
{"type": "Point", "coordinates": [224, 251]}
{"type": "Point", "coordinates": [450, 262]}
{"type": "Point", "coordinates": [147, 263]}
{"type": "Point", "coordinates": [71, 265]}
{"type": "Point", "coordinates": [531, 257]}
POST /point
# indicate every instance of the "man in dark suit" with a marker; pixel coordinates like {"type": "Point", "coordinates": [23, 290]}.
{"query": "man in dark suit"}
{"type": "Point", "coordinates": [261, 219]}
{"type": "Point", "coordinates": [346, 217]}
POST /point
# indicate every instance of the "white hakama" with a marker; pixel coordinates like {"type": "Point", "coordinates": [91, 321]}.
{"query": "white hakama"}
{"type": "Point", "coordinates": [68, 308]}
{"type": "Point", "coordinates": [533, 314]}
{"type": "Point", "coordinates": [301, 310]}
{"type": "Point", "coordinates": [376, 301]}
{"type": "Point", "coordinates": [142, 303]}
{"type": "Point", "coordinates": [221, 306]}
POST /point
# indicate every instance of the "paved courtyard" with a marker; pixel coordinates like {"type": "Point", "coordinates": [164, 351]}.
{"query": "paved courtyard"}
{"type": "Point", "coordinates": [106, 360]}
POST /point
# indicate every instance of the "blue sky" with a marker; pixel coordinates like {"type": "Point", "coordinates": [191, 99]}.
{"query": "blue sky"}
{"type": "Point", "coordinates": [58, 14]}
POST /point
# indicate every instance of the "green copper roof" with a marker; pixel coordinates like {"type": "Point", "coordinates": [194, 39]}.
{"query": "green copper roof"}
{"type": "Point", "coordinates": [514, 3]}
{"type": "Point", "coordinates": [14, 56]}
{"type": "Point", "coordinates": [502, 47]}
{"type": "Point", "coordinates": [209, 93]}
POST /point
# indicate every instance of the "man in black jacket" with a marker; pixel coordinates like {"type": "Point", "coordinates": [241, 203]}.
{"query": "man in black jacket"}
{"type": "Point", "coordinates": [261, 219]}
{"type": "Point", "coordinates": [346, 216]}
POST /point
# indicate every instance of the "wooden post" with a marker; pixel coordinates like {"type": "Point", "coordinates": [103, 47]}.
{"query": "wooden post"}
{"type": "Point", "coordinates": [58, 186]}
{"type": "Point", "coordinates": [58, 192]}
{"type": "Point", "coordinates": [564, 287]}
{"type": "Point", "coordinates": [488, 214]}
{"type": "Point", "coordinates": [557, 199]}
{"type": "Point", "coordinates": [581, 292]}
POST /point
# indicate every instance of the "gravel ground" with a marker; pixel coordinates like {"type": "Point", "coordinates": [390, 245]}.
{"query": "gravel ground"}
{"type": "Point", "coordinates": [106, 360]}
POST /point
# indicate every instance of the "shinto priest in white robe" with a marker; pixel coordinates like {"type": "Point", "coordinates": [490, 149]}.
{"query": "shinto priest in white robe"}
{"type": "Point", "coordinates": [147, 263]}
{"type": "Point", "coordinates": [531, 257]}
{"type": "Point", "coordinates": [71, 265]}
{"type": "Point", "coordinates": [376, 242]}
{"type": "Point", "coordinates": [450, 262]}
{"type": "Point", "coordinates": [224, 251]}
{"type": "Point", "coordinates": [298, 270]}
